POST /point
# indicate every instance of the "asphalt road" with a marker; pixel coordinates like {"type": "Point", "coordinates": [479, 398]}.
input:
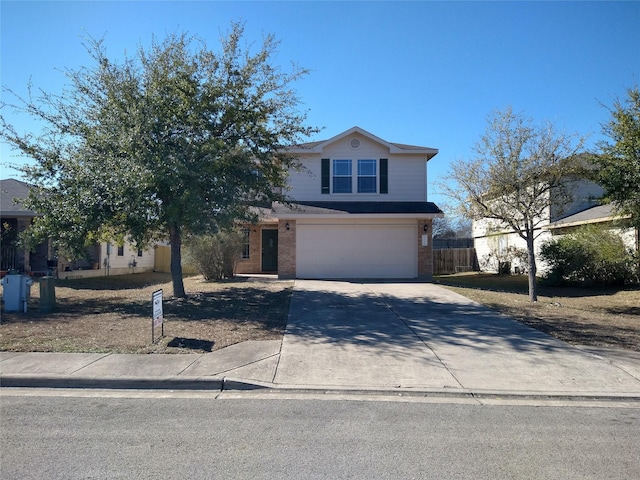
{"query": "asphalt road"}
{"type": "Point", "coordinates": [107, 437]}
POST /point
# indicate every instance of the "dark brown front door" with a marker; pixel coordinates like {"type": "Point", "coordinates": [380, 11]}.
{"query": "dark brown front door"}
{"type": "Point", "coordinates": [269, 250]}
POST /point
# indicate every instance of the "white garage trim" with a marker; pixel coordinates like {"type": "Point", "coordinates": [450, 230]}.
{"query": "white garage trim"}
{"type": "Point", "coordinates": [363, 250]}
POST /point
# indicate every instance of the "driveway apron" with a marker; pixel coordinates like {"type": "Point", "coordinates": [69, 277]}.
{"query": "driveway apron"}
{"type": "Point", "coordinates": [418, 335]}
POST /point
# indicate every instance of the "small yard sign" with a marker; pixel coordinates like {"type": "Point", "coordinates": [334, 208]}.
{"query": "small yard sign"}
{"type": "Point", "coordinates": [157, 319]}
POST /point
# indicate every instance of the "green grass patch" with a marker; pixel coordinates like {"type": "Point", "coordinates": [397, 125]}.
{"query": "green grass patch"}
{"type": "Point", "coordinates": [486, 281]}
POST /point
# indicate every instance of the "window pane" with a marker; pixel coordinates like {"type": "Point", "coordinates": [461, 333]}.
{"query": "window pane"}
{"type": "Point", "coordinates": [367, 167]}
{"type": "Point", "coordinates": [366, 184]}
{"type": "Point", "coordinates": [245, 243]}
{"type": "Point", "coordinates": [342, 176]}
{"type": "Point", "coordinates": [341, 184]}
{"type": "Point", "coordinates": [342, 167]}
{"type": "Point", "coordinates": [367, 180]}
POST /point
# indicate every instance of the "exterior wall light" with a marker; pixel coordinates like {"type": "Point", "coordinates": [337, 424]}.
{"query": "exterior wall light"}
{"type": "Point", "coordinates": [287, 226]}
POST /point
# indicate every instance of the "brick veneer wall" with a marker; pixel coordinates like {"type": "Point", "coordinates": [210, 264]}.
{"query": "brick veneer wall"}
{"type": "Point", "coordinates": [425, 254]}
{"type": "Point", "coordinates": [253, 264]}
{"type": "Point", "coordinates": [287, 249]}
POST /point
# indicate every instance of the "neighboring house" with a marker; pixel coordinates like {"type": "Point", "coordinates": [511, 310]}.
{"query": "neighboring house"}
{"type": "Point", "coordinates": [494, 239]}
{"type": "Point", "coordinates": [15, 219]}
{"type": "Point", "coordinates": [599, 215]}
{"type": "Point", "coordinates": [107, 259]}
{"type": "Point", "coordinates": [102, 259]}
{"type": "Point", "coordinates": [359, 210]}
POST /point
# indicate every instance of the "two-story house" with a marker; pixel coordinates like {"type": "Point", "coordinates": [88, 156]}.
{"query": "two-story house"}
{"type": "Point", "coordinates": [581, 207]}
{"type": "Point", "coordinates": [359, 210]}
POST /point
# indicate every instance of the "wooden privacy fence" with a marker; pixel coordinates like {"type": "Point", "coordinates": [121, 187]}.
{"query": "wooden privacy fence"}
{"type": "Point", "coordinates": [454, 260]}
{"type": "Point", "coordinates": [162, 262]}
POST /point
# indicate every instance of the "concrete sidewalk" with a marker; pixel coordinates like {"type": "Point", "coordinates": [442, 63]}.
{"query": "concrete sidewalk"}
{"type": "Point", "coordinates": [391, 337]}
{"type": "Point", "coordinates": [252, 362]}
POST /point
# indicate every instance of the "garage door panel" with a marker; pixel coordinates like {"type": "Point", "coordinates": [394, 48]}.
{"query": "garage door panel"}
{"type": "Point", "coordinates": [356, 251]}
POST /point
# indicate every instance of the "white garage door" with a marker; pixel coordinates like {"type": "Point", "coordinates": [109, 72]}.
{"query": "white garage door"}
{"type": "Point", "coordinates": [356, 251]}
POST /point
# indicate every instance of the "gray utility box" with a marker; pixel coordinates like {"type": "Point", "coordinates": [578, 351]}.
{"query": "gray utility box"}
{"type": "Point", "coordinates": [16, 290]}
{"type": "Point", "coordinates": [47, 294]}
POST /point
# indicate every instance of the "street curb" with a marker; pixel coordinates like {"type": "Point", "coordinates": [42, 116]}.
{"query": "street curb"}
{"type": "Point", "coordinates": [468, 395]}
{"type": "Point", "coordinates": [124, 383]}
{"type": "Point", "coordinates": [236, 385]}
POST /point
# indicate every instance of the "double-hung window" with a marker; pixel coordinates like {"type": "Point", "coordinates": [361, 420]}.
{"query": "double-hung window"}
{"type": "Point", "coordinates": [245, 243]}
{"type": "Point", "coordinates": [342, 176]}
{"type": "Point", "coordinates": [338, 176]}
{"type": "Point", "coordinates": [367, 178]}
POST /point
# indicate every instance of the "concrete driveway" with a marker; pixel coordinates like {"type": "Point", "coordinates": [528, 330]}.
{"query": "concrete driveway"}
{"type": "Point", "coordinates": [416, 335]}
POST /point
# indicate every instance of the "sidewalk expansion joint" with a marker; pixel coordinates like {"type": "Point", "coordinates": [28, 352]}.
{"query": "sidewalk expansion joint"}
{"type": "Point", "coordinates": [413, 331]}
{"type": "Point", "coordinates": [91, 363]}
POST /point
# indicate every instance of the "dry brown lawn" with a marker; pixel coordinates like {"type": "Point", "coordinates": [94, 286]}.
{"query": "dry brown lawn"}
{"type": "Point", "coordinates": [580, 316]}
{"type": "Point", "coordinates": [113, 314]}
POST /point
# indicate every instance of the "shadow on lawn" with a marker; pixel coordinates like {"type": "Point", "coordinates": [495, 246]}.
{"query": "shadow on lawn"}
{"type": "Point", "coordinates": [625, 311]}
{"type": "Point", "coordinates": [520, 284]}
{"type": "Point", "coordinates": [240, 304]}
{"type": "Point", "coordinates": [129, 282]}
{"type": "Point", "coordinates": [117, 282]}
{"type": "Point", "coordinates": [575, 330]}
{"type": "Point", "coordinates": [191, 344]}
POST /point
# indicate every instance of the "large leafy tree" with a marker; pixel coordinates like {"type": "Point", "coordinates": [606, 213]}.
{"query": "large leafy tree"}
{"type": "Point", "coordinates": [619, 161]}
{"type": "Point", "coordinates": [176, 140]}
{"type": "Point", "coordinates": [520, 169]}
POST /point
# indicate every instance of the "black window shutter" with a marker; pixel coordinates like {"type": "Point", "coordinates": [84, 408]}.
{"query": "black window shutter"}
{"type": "Point", "coordinates": [384, 175]}
{"type": "Point", "coordinates": [325, 175]}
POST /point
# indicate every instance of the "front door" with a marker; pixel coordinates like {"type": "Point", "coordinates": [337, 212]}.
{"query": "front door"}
{"type": "Point", "coordinates": [269, 250]}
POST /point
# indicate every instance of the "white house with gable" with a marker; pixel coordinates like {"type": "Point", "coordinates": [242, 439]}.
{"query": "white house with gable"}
{"type": "Point", "coordinates": [359, 210]}
{"type": "Point", "coordinates": [491, 237]}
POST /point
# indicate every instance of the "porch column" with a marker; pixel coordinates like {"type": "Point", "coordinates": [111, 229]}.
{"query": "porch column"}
{"type": "Point", "coordinates": [425, 252]}
{"type": "Point", "coordinates": [286, 249]}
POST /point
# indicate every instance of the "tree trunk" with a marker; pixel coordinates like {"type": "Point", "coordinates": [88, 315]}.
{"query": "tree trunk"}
{"type": "Point", "coordinates": [637, 257]}
{"type": "Point", "coordinates": [533, 270]}
{"type": "Point", "coordinates": [176, 261]}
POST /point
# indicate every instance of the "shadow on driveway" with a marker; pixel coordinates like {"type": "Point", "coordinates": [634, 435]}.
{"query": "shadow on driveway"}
{"type": "Point", "coordinates": [422, 335]}
{"type": "Point", "coordinates": [409, 315]}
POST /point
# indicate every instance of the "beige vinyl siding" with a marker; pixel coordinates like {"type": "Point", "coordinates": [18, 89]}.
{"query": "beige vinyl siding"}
{"type": "Point", "coordinates": [407, 174]}
{"type": "Point", "coordinates": [146, 261]}
{"type": "Point", "coordinates": [305, 184]}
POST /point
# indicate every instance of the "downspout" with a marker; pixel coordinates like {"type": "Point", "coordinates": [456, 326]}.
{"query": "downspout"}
{"type": "Point", "coordinates": [426, 178]}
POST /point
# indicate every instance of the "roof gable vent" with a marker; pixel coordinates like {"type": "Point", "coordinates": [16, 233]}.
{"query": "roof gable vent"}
{"type": "Point", "coordinates": [355, 143]}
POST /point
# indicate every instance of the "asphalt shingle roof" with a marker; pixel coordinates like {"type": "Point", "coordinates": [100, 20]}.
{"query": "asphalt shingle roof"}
{"type": "Point", "coordinates": [359, 208]}
{"type": "Point", "coordinates": [599, 213]}
{"type": "Point", "coordinates": [12, 190]}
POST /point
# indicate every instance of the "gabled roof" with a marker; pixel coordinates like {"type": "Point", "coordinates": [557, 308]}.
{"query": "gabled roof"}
{"type": "Point", "coordinates": [317, 147]}
{"type": "Point", "coordinates": [12, 191]}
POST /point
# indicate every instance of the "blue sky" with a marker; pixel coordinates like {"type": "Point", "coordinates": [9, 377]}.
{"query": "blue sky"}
{"type": "Point", "coordinates": [423, 73]}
